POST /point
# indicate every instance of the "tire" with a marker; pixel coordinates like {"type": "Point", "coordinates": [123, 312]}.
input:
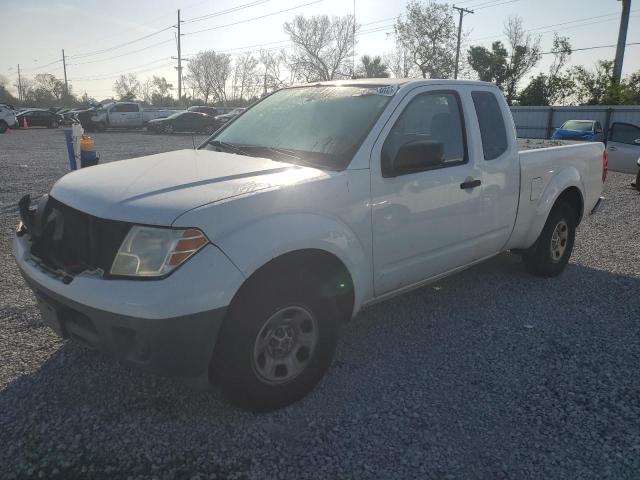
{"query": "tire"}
{"type": "Point", "coordinates": [268, 319]}
{"type": "Point", "coordinates": [168, 129]}
{"type": "Point", "coordinates": [549, 256]}
{"type": "Point", "coordinates": [3, 126]}
{"type": "Point", "coordinates": [53, 124]}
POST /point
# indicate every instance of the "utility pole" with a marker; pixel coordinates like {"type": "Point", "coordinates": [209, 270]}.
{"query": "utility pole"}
{"type": "Point", "coordinates": [462, 11]}
{"type": "Point", "coordinates": [179, 63]}
{"type": "Point", "coordinates": [64, 67]}
{"type": "Point", "coordinates": [622, 40]}
{"type": "Point", "coordinates": [19, 85]}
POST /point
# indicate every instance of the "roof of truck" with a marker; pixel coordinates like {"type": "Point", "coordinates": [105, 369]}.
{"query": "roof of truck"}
{"type": "Point", "coordinates": [402, 81]}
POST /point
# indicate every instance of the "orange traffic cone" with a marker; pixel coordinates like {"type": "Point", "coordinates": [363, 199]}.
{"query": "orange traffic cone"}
{"type": "Point", "coordinates": [25, 124]}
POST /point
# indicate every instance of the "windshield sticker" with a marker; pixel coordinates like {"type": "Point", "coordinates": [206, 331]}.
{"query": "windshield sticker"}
{"type": "Point", "coordinates": [387, 91]}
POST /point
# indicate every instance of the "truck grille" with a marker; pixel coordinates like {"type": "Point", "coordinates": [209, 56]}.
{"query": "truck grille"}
{"type": "Point", "coordinates": [73, 241]}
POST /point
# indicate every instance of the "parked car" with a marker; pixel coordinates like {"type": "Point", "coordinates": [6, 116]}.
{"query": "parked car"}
{"type": "Point", "coordinates": [212, 111]}
{"type": "Point", "coordinates": [184, 122]}
{"type": "Point", "coordinates": [623, 147]}
{"type": "Point", "coordinates": [587, 130]}
{"type": "Point", "coordinates": [222, 119]}
{"type": "Point", "coordinates": [238, 261]}
{"type": "Point", "coordinates": [39, 118]}
{"type": "Point", "coordinates": [7, 118]}
{"type": "Point", "coordinates": [120, 115]}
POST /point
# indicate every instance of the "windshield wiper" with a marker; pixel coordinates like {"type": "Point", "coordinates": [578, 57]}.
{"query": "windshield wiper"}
{"type": "Point", "coordinates": [227, 147]}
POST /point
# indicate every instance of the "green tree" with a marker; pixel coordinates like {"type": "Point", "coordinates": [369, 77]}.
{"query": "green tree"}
{"type": "Point", "coordinates": [490, 65]}
{"type": "Point", "coordinates": [127, 87]}
{"type": "Point", "coordinates": [372, 68]}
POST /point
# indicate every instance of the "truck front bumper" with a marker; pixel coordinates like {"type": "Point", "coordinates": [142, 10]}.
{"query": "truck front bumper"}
{"type": "Point", "coordinates": [167, 326]}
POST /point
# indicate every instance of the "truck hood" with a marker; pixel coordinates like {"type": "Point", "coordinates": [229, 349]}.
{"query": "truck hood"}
{"type": "Point", "coordinates": [155, 190]}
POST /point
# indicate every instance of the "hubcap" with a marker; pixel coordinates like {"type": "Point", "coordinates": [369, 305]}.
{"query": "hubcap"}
{"type": "Point", "coordinates": [559, 239]}
{"type": "Point", "coordinates": [285, 345]}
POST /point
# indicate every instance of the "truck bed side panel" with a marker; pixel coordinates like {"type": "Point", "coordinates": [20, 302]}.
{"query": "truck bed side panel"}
{"type": "Point", "coordinates": [544, 174]}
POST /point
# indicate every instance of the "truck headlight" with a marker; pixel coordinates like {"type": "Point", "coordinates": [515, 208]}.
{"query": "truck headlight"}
{"type": "Point", "coordinates": [155, 252]}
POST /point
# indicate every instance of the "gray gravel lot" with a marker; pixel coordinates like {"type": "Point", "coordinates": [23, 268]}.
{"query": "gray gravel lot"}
{"type": "Point", "coordinates": [489, 374]}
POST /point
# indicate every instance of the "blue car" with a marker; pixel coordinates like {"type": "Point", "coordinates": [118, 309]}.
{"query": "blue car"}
{"type": "Point", "coordinates": [585, 130]}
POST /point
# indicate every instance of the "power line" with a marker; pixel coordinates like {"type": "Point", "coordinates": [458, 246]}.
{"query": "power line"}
{"type": "Point", "coordinates": [592, 48]}
{"type": "Point", "coordinates": [115, 47]}
{"type": "Point", "coordinates": [124, 54]}
{"type": "Point", "coordinates": [255, 18]}
{"type": "Point", "coordinates": [224, 12]}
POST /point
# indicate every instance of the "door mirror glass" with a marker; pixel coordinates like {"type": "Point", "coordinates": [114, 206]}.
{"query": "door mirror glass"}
{"type": "Point", "coordinates": [417, 156]}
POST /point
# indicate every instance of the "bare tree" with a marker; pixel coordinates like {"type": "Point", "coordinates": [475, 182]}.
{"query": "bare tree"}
{"type": "Point", "coordinates": [245, 77]}
{"type": "Point", "coordinates": [208, 74]}
{"type": "Point", "coordinates": [47, 85]}
{"type": "Point", "coordinates": [525, 54]}
{"type": "Point", "coordinates": [273, 77]}
{"type": "Point", "coordinates": [127, 87]}
{"type": "Point", "coordinates": [428, 33]}
{"type": "Point", "coordinates": [146, 90]}
{"type": "Point", "coordinates": [322, 47]}
{"type": "Point", "coordinates": [400, 62]}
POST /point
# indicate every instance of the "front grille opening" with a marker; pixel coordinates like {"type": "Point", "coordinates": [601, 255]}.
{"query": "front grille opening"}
{"type": "Point", "coordinates": [73, 241]}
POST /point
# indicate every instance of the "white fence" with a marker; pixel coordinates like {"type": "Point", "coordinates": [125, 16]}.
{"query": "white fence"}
{"type": "Point", "coordinates": [540, 122]}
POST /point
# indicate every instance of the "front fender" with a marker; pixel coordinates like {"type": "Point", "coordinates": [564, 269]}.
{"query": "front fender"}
{"type": "Point", "coordinates": [254, 244]}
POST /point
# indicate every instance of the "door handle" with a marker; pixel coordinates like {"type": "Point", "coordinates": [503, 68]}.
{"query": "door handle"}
{"type": "Point", "coordinates": [470, 184]}
{"type": "Point", "coordinates": [612, 149]}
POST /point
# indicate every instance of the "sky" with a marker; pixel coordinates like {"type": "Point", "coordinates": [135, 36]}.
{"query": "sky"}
{"type": "Point", "coordinates": [92, 32]}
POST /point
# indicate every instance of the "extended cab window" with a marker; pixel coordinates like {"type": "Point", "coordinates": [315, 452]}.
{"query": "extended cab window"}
{"type": "Point", "coordinates": [624, 133]}
{"type": "Point", "coordinates": [492, 128]}
{"type": "Point", "coordinates": [434, 116]}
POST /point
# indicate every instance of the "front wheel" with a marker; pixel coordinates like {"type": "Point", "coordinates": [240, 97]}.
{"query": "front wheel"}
{"type": "Point", "coordinates": [169, 129]}
{"type": "Point", "coordinates": [549, 256]}
{"type": "Point", "coordinates": [277, 342]}
{"type": "Point", "coordinates": [54, 124]}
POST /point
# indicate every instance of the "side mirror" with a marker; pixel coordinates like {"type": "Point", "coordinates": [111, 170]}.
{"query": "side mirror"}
{"type": "Point", "coordinates": [598, 130]}
{"type": "Point", "coordinates": [416, 157]}
{"type": "Point", "coordinates": [637, 141]}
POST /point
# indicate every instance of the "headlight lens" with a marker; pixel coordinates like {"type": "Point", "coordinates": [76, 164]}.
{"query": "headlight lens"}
{"type": "Point", "coordinates": [154, 252]}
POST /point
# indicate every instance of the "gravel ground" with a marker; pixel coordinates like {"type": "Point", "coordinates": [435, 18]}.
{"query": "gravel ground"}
{"type": "Point", "coordinates": [489, 374]}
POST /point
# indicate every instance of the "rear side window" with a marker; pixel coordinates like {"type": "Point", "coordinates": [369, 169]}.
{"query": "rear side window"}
{"type": "Point", "coordinates": [492, 129]}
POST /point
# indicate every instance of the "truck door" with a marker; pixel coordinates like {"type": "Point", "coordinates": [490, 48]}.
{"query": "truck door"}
{"type": "Point", "coordinates": [429, 222]}
{"type": "Point", "coordinates": [132, 115]}
{"type": "Point", "coordinates": [116, 115]}
{"type": "Point", "coordinates": [623, 147]}
{"type": "Point", "coordinates": [498, 160]}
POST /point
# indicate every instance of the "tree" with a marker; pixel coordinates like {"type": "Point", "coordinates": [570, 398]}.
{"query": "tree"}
{"type": "Point", "coordinates": [5, 95]}
{"type": "Point", "coordinates": [598, 87]}
{"type": "Point", "coordinates": [272, 76]}
{"type": "Point", "coordinates": [428, 32]}
{"type": "Point", "coordinates": [525, 54]}
{"type": "Point", "coordinates": [400, 63]}
{"type": "Point", "coordinates": [245, 78]}
{"type": "Point", "coordinates": [372, 68]}
{"type": "Point", "coordinates": [555, 86]}
{"type": "Point", "coordinates": [490, 65]}
{"type": "Point", "coordinates": [127, 87]}
{"type": "Point", "coordinates": [48, 89]}
{"type": "Point", "coordinates": [208, 75]}
{"type": "Point", "coordinates": [322, 47]}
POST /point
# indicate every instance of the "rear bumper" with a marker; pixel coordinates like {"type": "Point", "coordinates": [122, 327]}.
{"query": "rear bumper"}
{"type": "Point", "coordinates": [596, 206]}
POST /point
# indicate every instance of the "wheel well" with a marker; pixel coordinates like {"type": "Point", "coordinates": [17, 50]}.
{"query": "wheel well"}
{"type": "Point", "coordinates": [573, 197]}
{"type": "Point", "coordinates": [327, 267]}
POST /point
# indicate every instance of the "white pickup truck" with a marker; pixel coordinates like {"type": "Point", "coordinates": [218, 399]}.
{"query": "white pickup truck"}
{"type": "Point", "coordinates": [121, 115]}
{"type": "Point", "coordinates": [238, 261]}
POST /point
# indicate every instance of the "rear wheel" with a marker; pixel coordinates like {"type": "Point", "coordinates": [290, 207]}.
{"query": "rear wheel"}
{"type": "Point", "coordinates": [550, 254]}
{"type": "Point", "coordinates": [168, 129]}
{"type": "Point", "coordinates": [277, 342]}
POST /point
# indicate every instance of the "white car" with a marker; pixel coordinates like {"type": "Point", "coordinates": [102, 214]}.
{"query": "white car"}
{"type": "Point", "coordinates": [623, 147]}
{"type": "Point", "coordinates": [7, 118]}
{"type": "Point", "coordinates": [122, 115]}
{"type": "Point", "coordinates": [238, 261]}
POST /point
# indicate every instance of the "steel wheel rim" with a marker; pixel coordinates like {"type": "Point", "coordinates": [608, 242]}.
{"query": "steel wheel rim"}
{"type": "Point", "coordinates": [168, 129]}
{"type": "Point", "coordinates": [285, 345]}
{"type": "Point", "coordinates": [559, 240]}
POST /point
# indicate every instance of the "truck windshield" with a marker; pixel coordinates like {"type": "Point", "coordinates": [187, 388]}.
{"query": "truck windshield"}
{"type": "Point", "coordinates": [321, 126]}
{"type": "Point", "coordinates": [580, 126]}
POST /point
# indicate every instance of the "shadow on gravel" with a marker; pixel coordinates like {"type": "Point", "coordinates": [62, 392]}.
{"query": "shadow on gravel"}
{"type": "Point", "coordinates": [488, 374]}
